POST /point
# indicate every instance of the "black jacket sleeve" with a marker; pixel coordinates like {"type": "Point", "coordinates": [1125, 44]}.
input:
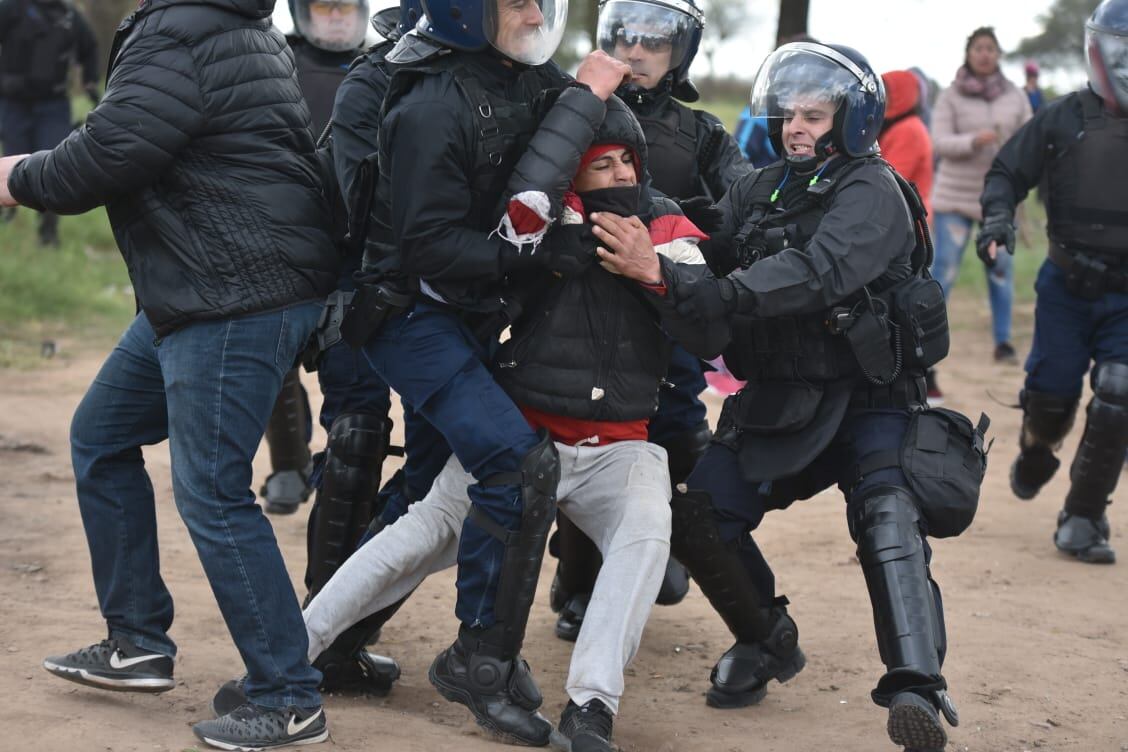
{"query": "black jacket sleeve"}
{"type": "Point", "coordinates": [151, 110]}
{"type": "Point", "coordinates": [427, 152]}
{"type": "Point", "coordinates": [1019, 164]}
{"type": "Point", "coordinates": [356, 119]}
{"type": "Point", "coordinates": [87, 50]}
{"type": "Point", "coordinates": [723, 162]}
{"type": "Point", "coordinates": [865, 230]}
{"type": "Point", "coordinates": [683, 308]}
{"type": "Point", "coordinates": [551, 159]}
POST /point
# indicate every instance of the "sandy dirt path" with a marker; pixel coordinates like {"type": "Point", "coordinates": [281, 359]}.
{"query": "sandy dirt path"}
{"type": "Point", "coordinates": [1038, 656]}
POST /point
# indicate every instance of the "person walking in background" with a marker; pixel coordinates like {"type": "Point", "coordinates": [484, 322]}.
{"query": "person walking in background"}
{"type": "Point", "coordinates": [974, 117]}
{"type": "Point", "coordinates": [1033, 90]}
{"type": "Point", "coordinates": [904, 139]}
{"type": "Point", "coordinates": [40, 41]}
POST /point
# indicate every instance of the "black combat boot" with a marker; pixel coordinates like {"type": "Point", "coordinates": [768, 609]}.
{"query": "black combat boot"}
{"type": "Point", "coordinates": [1084, 538]}
{"type": "Point", "coordinates": [741, 676]}
{"type": "Point", "coordinates": [499, 692]}
{"type": "Point", "coordinates": [914, 722]}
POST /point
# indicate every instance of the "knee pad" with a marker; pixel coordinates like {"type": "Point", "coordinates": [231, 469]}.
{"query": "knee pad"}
{"type": "Point", "coordinates": [1100, 456]}
{"type": "Point", "coordinates": [906, 609]}
{"type": "Point", "coordinates": [345, 503]}
{"type": "Point", "coordinates": [286, 429]}
{"type": "Point", "coordinates": [1046, 420]}
{"type": "Point", "coordinates": [717, 567]}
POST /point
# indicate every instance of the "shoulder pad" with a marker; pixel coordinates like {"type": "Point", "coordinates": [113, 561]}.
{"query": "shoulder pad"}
{"type": "Point", "coordinates": [685, 91]}
{"type": "Point", "coordinates": [412, 49]}
{"type": "Point", "coordinates": [386, 23]}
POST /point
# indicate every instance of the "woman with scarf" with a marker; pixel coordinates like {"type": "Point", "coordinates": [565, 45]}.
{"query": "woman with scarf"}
{"type": "Point", "coordinates": [972, 119]}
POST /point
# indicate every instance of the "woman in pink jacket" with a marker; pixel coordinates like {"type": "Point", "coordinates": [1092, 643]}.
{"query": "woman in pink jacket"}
{"type": "Point", "coordinates": [973, 117]}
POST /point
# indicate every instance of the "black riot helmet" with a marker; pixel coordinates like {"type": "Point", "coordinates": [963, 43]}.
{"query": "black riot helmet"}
{"type": "Point", "coordinates": [806, 72]}
{"type": "Point", "coordinates": [331, 25]}
{"type": "Point", "coordinates": [1106, 52]}
{"type": "Point", "coordinates": [649, 33]}
{"type": "Point", "coordinates": [525, 31]}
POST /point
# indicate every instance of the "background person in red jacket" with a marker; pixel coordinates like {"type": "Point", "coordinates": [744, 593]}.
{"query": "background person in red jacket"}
{"type": "Point", "coordinates": [904, 138]}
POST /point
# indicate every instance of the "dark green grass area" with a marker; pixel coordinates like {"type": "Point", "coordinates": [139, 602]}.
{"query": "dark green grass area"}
{"type": "Point", "coordinates": [79, 290]}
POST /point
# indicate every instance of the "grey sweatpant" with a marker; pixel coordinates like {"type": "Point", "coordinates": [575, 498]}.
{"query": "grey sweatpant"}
{"type": "Point", "coordinates": [618, 494]}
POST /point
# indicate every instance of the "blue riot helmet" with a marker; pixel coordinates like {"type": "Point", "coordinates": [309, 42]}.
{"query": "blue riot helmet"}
{"type": "Point", "coordinates": [1106, 52]}
{"type": "Point", "coordinates": [525, 31]}
{"type": "Point", "coordinates": [410, 13]}
{"type": "Point", "coordinates": [657, 38]}
{"type": "Point", "coordinates": [396, 20]}
{"type": "Point", "coordinates": [331, 25]}
{"type": "Point", "coordinates": [803, 73]}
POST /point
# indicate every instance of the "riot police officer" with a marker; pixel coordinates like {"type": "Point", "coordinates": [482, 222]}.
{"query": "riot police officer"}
{"type": "Point", "coordinates": [692, 160]}
{"type": "Point", "coordinates": [327, 37]}
{"type": "Point", "coordinates": [833, 320]}
{"type": "Point", "coordinates": [40, 40]}
{"type": "Point", "coordinates": [1080, 142]}
{"type": "Point", "coordinates": [461, 105]}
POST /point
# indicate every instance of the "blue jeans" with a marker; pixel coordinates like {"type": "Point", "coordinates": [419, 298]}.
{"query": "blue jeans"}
{"type": "Point", "coordinates": [208, 388]}
{"type": "Point", "coordinates": [1071, 332]}
{"type": "Point", "coordinates": [951, 233]}
{"type": "Point", "coordinates": [438, 368]}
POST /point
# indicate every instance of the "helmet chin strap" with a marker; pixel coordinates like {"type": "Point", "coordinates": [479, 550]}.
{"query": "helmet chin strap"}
{"type": "Point", "coordinates": [808, 163]}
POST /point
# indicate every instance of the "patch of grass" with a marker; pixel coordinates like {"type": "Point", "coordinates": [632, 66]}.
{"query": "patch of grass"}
{"type": "Point", "coordinates": [80, 288]}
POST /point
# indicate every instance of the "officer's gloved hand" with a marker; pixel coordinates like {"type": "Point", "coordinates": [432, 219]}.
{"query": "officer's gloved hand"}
{"type": "Point", "coordinates": [707, 300]}
{"type": "Point", "coordinates": [703, 213]}
{"type": "Point", "coordinates": [997, 229]}
{"type": "Point", "coordinates": [568, 250]}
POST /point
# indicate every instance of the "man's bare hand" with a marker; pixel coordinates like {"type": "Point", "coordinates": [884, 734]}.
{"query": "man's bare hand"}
{"type": "Point", "coordinates": [6, 165]}
{"type": "Point", "coordinates": [627, 249]}
{"type": "Point", "coordinates": [603, 74]}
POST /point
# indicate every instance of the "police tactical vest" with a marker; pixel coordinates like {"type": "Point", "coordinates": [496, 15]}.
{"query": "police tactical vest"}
{"type": "Point", "coordinates": [38, 52]}
{"type": "Point", "coordinates": [671, 143]}
{"type": "Point", "coordinates": [1087, 207]}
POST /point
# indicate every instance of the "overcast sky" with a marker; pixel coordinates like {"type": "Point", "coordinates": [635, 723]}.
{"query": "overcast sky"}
{"type": "Point", "coordinates": [891, 33]}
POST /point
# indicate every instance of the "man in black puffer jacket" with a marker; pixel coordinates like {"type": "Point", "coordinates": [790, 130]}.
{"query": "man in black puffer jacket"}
{"type": "Point", "coordinates": [202, 153]}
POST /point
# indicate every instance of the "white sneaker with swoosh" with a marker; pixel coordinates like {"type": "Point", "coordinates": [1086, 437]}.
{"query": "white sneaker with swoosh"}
{"type": "Point", "coordinates": [253, 727]}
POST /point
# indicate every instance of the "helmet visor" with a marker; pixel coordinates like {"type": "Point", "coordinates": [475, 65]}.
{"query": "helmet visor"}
{"type": "Point", "coordinates": [526, 31]}
{"type": "Point", "coordinates": [1107, 57]}
{"type": "Point", "coordinates": [653, 39]}
{"type": "Point", "coordinates": [332, 25]}
{"type": "Point", "coordinates": [795, 79]}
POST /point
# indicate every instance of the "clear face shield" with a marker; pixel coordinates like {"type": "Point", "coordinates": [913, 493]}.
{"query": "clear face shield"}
{"type": "Point", "coordinates": [653, 39]}
{"type": "Point", "coordinates": [333, 25]}
{"type": "Point", "coordinates": [792, 81]}
{"type": "Point", "coordinates": [526, 31]}
{"type": "Point", "coordinates": [1107, 58]}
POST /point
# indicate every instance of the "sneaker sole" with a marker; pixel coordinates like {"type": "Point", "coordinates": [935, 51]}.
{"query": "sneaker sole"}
{"type": "Point", "coordinates": [317, 739]}
{"type": "Point", "coordinates": [454, 694]}
{"type": "Point", "coordinates": [715, 698]}
{"type": "Point", "coordinates": [152, 685]}
{"type": "Point", "coordinates": [914, 727]}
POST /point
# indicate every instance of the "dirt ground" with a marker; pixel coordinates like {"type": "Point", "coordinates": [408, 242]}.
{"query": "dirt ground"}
{"type": "Point", "coordinates": [1038, 656]}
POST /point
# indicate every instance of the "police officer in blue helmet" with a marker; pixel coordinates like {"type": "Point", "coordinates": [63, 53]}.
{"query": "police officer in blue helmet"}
{"type": "Point", "coordinates": [1080, 144]}
{"type": "Point", "coordinates": [820, 278]}
{"type": "Point", "coordinates": [467, 93]}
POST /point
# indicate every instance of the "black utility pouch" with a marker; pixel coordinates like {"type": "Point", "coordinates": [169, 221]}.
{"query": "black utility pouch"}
{"type": "Point", "coordinates": [775, 407]}
{"type": "Point", "coordinates": [944, 458]}
{"type": "Point", "coordinates": [373, 304]}
{"type": "Point", "coordinates": [1086, 277]}
{"type": "Point", "coordinates": [919, 311]}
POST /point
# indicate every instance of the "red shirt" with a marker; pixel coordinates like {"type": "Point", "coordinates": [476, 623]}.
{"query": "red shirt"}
{"type": "Point", "coordinates": [580, 432]}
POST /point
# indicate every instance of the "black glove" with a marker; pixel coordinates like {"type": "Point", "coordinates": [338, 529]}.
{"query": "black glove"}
{"type": "Point", "coordinates": [707, 299]}
{"type": "Point", "coordinates": [568, 250]}
{"type": "Point", "coordinates": [998, 229]}
{"type": "Point", "coordinates": [703, 213]}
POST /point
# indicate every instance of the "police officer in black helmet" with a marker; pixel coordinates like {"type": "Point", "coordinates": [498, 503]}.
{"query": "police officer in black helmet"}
{"type": "Point", "coordinates": [466, 95]}
{"type": "Point", "coordinates": [694, 161]}
{"type": "Point", "coordinates": [327, 37]}
{"type": "Point", "coordinates": [1080, 142]}
{"type": "Point", "coordinates": [833, 320]}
